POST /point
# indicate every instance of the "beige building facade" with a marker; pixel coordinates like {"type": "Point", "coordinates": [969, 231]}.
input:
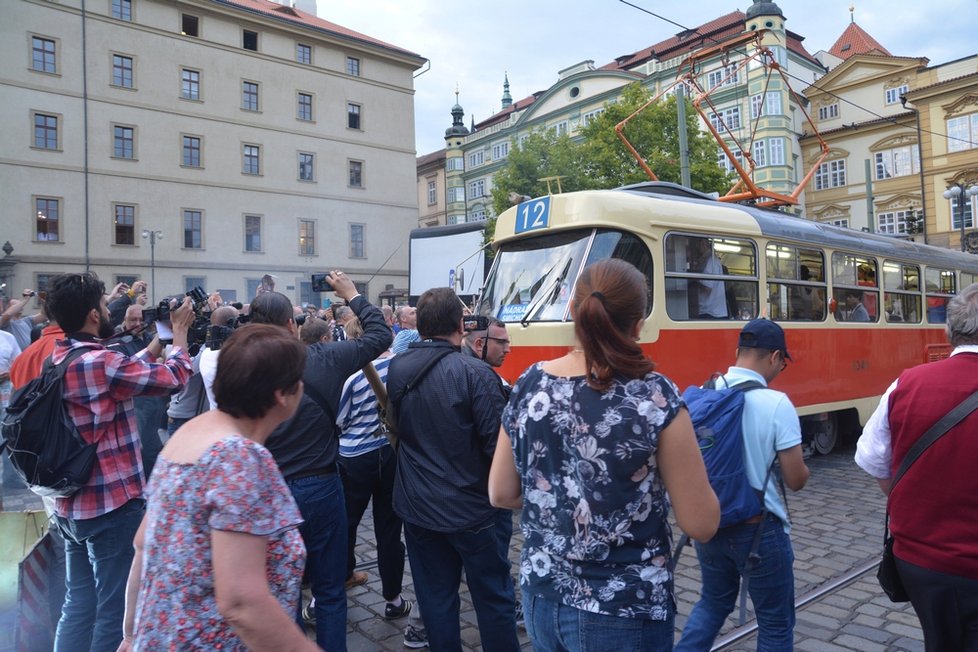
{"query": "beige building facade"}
{"type": "Point", "coordinates": [204, 143]}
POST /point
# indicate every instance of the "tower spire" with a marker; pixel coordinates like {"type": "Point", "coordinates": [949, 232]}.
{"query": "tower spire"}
{"type": "Point", "coordinates": [507, 98]}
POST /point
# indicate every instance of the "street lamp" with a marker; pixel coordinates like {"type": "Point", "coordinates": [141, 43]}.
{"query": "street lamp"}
{"type": "Point", "coordinates": [962, 194]}
{"type": "Point", "coordinates": [152, 236]}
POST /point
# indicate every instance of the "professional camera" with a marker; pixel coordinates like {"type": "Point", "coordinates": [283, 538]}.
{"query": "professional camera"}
{"type": "Point", "coordinates": [321, 283]}
{"type": "Point", "coordinates": [475, 323]}
{"type": "Point", "coordinates": [197, 333]}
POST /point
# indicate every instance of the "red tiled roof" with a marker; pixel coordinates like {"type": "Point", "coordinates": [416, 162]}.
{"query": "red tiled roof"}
{"type": "Point", "coordinates": [855, 40]}
{"type": "Point", "coordinates": [425, 159]}
{"type": "Point", "coordinates": [288, 13]}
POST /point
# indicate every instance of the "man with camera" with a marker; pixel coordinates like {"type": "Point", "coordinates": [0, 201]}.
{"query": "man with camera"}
{"type": "Point", "coordinates": [448, 408]}
{"type": "Point", "coordinates": [13, 321]}
{"type": "Point", "coordinates": [306, 447]}
{"type": "Point", "coordinates": [98, 522]}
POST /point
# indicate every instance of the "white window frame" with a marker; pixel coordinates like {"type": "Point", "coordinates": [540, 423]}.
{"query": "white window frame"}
{"type": "Point", "coordinates": [455, 163]}
{"type": "Point", "coordinates": [892, 95]}
{"type": "Point", "coordinates": [897, 162]}
{"type": "Point", "coordinates": [432, 193]}
{"type": "Point", "coordinates": [828, 111]}
{"type": "Point", "coordinates": [476, 158]}
{"type": "Point", "coordinates": [831, 174]}
{"type": "Point", "coordinates": [500, 150]}
{"type": "Point", "coordinates": [894, 222]}
{"type": "Point", "coordinates": [477, 189]}
{"type": "Point", "coordinates": [962, 132]}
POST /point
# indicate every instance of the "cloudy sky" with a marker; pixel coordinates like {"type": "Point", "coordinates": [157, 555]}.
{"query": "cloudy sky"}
{"type": "Point", "coordinates": [472, 44]}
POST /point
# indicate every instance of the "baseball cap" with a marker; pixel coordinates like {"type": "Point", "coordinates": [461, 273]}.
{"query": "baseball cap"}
{"type": "Point", "coordinates": [763, 334]}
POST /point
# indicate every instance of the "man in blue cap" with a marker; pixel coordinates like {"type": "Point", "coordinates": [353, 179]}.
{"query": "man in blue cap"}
{"type": "Point", "coordinates": [770, 429]}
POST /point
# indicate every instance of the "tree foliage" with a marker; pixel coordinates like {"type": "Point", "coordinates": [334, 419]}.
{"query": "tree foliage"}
{"type": "Point", "coordinates": [541, 155]}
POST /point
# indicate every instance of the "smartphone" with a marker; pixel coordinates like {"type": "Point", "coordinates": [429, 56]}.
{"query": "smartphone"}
{"type": "Point", "coordinates": [320, 283]}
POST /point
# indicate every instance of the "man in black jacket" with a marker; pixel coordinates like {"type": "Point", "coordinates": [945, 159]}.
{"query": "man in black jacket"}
{"type": "Point", "coordinates": [448, 407]}
{"type": "Point", "coordinates": [306, 448]}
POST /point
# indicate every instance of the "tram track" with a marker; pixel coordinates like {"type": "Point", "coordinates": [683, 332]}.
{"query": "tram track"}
{"type": "Point", "coordinates": [740, 633]}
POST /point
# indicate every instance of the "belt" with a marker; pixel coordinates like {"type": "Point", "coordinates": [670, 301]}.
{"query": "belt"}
{"type": "Point", "coordinates": [315, 473]}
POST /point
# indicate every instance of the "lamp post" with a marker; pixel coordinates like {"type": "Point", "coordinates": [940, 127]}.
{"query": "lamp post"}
{"type": "Point", "coordinates": [152, 236]}
{"type": "Point", "coordinates": [958, 190]}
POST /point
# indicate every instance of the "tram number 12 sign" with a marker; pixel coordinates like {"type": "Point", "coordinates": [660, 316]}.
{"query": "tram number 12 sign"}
{"type": "Point", "coordinates": [533, 215]}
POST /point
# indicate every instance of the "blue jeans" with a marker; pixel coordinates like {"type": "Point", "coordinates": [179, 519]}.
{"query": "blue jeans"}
{"type": "Point", "coordinates": [320, 500]}
{"type": "Point", "coordinates": [771, 586]}
{"type": "Point", "coordinates": [437, 560]}
{"type": "Point", "coordinates": [98, 554]}
{"type": "Point", "coordinates": [555, 627]}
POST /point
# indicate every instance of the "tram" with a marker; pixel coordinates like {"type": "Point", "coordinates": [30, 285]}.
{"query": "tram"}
{"type": "Point", "coordinates": [857, 308]}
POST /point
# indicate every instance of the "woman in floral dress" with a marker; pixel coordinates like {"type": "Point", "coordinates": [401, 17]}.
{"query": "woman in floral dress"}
{"type": "Point", "coordinates": [219, 558]}
{"type": "Point", "coordinates": [592, 447]}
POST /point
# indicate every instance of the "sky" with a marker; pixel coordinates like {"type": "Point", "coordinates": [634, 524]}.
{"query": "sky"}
{"type": "Point", "coordinates": [471, 45]}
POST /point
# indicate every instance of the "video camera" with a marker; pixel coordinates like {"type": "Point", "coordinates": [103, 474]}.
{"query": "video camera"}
{"type": "Point", "coordinates": [197, 334]}
{"type": "Point", "coordinates": [475, 323]}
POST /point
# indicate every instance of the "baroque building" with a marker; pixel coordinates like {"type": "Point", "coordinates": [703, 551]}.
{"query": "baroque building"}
{"type": "Point", "coordinates": [203, 142]}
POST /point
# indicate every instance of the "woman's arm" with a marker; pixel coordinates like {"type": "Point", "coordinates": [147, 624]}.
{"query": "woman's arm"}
{"type": "Point", "coordinates": [505, 489]}
{"type": "Point", "coordinates": [243, 596]}
{"type": "Point", "coordinates": [132, 589]}
{"type": "Point", "coordinates": [684, 474]}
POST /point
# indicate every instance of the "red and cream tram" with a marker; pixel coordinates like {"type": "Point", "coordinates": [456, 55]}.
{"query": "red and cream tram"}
{"type": "Point", "coordinates": [857, 308]}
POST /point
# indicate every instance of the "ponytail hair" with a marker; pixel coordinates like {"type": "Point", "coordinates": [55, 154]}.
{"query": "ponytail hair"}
{"type": "Point", "coordinates": [610, 298]}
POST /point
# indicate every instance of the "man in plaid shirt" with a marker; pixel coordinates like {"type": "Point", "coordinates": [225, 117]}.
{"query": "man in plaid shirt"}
{"type": "Point", "coordinates": [99, 521]}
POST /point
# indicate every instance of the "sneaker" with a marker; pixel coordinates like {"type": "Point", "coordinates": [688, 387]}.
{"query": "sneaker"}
{"type": "Point", "coordinates": [393, 613]}
{"type": "Point", "coordinates": [519, 614]}
{"type": "Point", "coordinates": [415, 637]}
{"type": "Point", "coordinates": [357, 578]}
{"type": "Point", "coordinates": [309, 613]}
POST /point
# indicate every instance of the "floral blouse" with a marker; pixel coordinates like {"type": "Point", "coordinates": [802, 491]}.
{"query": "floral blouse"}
{"type": "Point", "coordinates": [235, 486]}
{"type": "Point", "coordinates": [594, 520]}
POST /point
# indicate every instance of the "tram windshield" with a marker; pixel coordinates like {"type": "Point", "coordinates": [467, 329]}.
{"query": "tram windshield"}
{"type": "Point", "coordinates": [533, 280]}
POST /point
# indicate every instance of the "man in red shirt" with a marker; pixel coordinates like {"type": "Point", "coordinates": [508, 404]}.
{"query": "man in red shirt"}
{"type": "Point", "coordinates": [99, 521]}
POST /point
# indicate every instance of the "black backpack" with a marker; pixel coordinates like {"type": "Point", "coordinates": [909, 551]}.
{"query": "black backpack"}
{"type": "Point", "coordinates": [42, 441]}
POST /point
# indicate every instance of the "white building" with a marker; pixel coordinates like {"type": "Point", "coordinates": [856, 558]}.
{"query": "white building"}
{"type": "Point", "coordinates": [255, 137]}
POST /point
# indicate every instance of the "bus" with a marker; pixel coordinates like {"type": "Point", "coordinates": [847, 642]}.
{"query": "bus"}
{"type": "Point", "coordinates": [857, 308]}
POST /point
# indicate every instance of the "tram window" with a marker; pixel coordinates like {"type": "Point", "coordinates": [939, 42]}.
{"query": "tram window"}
{"type": "Point", "coordinates": [940, 286]}
{"type": "Point", "coordinates": [901, 297]}
{"type": "Point", "coordinates": [710, 277]}
{"type": "Point", "coordinates": [854, 287]}
{"type": "Point", "coordinates": [627, 247]}
{"type": "Point", "coordinates": [968, 278]}
{"type": "Point", "coordinates": [801, 295]}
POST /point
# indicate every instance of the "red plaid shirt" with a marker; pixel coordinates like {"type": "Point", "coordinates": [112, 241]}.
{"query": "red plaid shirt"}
{"type": "Point", "coordinates": [99, 388]}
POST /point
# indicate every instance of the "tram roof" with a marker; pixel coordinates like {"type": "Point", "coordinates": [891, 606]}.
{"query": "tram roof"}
{"type": "Point", "coordinates": [774, 224]}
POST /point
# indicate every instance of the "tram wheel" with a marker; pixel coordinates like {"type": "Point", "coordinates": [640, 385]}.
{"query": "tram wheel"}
{"type": "Point", "coordinates": [825, 437]}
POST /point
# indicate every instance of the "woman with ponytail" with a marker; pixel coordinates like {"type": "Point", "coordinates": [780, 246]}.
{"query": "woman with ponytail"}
{"type": "Point", "coordinates": [593, 447]}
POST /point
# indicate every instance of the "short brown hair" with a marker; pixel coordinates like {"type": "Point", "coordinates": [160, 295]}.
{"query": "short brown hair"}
{"type": "Point", "coordinates": [313, 330]}
{"type": "Point", "coordinates": [255, 361]}
{"type": "Point", "coordinates": [439, 313]}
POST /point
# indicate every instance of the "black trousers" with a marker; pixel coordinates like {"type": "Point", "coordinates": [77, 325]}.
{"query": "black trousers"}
{"type": "Point", "coordinates": [367, 476]}
{"type": "Point", "coordinates": [947, 606]}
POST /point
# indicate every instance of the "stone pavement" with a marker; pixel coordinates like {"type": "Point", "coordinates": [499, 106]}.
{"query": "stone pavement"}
{"type": "Point", "coordinates": [837, 525]}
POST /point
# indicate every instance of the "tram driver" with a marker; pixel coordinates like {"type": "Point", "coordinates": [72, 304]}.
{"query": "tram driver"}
{"type": "Point", "coordinates": [710, 298]}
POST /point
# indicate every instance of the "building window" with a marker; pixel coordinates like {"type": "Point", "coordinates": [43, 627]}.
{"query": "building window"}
{"type": "Point", "coordinates": [249, 40]}
{"type": "Point", "coordinates": [969, 213]}
{"type": "Point", "coordinates": [477, 189]}
{"type": "Point", "coordinates": [189, 84]}
{"type": "Point", "coordinates": [45, 131]}
{"type": "Point", "coordinates": [476, 159]}
{"type": "Point", "coordinates": [303, 110]}
{"type": "Point", "coordinates": [125, 224]}
{"type": "Point", "coordinates": [962, 133]}
{"type": "Point", "coordinates": [831, 174]}
{"type": "Point", "coordinates": [500, 151]}
{"type": "Point", "coordinates": [560, 128]}
{"type": "Point", "coordinates": [123, 142]}
{"type": "Point", "coordinates": [307, 238]}
{"type": "Point", "coordinates": [252, 233]}
{"type": "Point", "coordinates": [353, 66]}
{"type": "Point", "coordinates": [828, 112]}
{"type": "Point", "coordinates": [47, 219]}
{"type": "Point", "coordinates": [724, 76]}
{"type": "Point", "coordinates": [193, 229]}
{"type": "Point", "coordinates": [892, 95]}
{"type": "Point", "coordinates": [122, 9]}
{"type": "Point", "coordinates": [352, 115]}
{"type": "Point", "coordinates": [724, 161]}
{"type": "Point", "coordinates": [775, 151]}
{"type": "Point", "coordinates": [765, 104]}
{"type": "Point", "coordinates": [356, 241]}
{"type": "Point", "coordinates": [191, 282]}
{"type": "Point", "coordinates": [476, 216]}
{"type": "Point", "coordinates": [121, 71]}
{"type": "Point", "coordinates": [727, 118]}
{"type": "Point", "coordinates": [759, 153]}
{"type": "Point", "coordinates": [591, 116]}
{"type": "Point", "coordinates": [356, 174]}
{"type": "Point", "coordinates": [251, 159]}
{"type": "Point", "coordinates": [455, 163]}
{"type": "Point", "coordinates": [432, 193]}
{"type": "Point", "coordinates": [303, 53]}
{"type": "Point", "coordinates": [897, 162]}
{"type": "Point", "coordinates": [456, 194]}
{"type": "Point", "coordinates": [191, 151]}
{"type": "Point", "coordinates": [189, 25]}
{"type": "Point", "coordinates": [249, 96]}
{"type": "Point", "coordinates": [894, 222]}
{"type": "Point", "coordinates": [306, 170]}
{"type": "Point", "coordinates": [43, 55]}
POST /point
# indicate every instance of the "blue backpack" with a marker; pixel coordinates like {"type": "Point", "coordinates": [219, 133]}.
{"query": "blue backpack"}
{"type": "Point", "coordinates": [717, 416]}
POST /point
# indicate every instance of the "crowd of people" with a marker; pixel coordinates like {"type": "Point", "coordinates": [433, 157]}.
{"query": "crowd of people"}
{"type": "Point", "coordinates": [228, 480]}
